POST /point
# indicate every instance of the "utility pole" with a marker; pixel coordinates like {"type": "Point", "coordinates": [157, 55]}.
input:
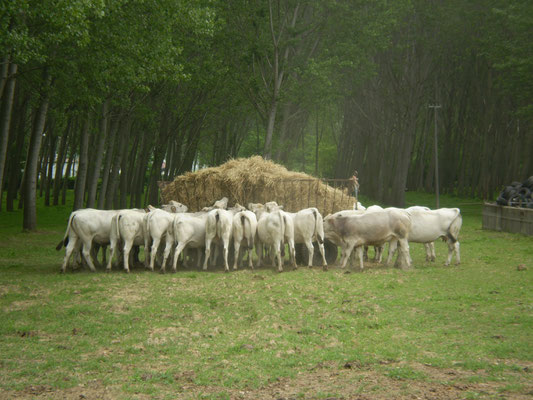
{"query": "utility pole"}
{"type": "Point", "coordinates": [435, 107]}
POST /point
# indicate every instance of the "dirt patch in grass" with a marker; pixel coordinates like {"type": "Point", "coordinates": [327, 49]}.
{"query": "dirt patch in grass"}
{"type": "Point", "coordinates": [324, 381]}
{"type": "Point", "coordinates": [125, 298]}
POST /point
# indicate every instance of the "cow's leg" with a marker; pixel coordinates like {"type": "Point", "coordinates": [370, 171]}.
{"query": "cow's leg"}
{"type": "Point", "coordinates": [112, 249]}
{"type": "Point", "coordinates": [94, 254]}
{"type": "Point", "coordinates": [207, 251]}
{"type": "Point", "coordinates": [432, 249]}
{"type": "Point", "coordinates": [153, 252]}
{"type": "Point", "coordinates": [168, 247]}
{"type": "Point", "coordinates": [250, 258]}
{"type": "Point", "coordinates": [359, 252]}
{"type": "Point", "coordinates": [453, 247]}
{"type": "Point", "coordinates": [71, 246]}
{"type": "Point", "coordinates": [347, 251]}
{"type": "Point", "coordinates": [365, 253]}
{"type": "Point", "coordinates": [277, 251]}
{"type": "Point", "coordinates": [322, 254]}
{"type": "Point", "coordinates": [236, 247]}
{"type": "Point", "coordinates": [428, 252]}
{"type": "Point", "coordinates": [292, 253]}
{"type": "Point", "coordinates": [403, 260]}
{"type": "Point", "coordinates": [225, 250]}
{"type": "Point", "coordinates": [310, 253]}
{"type": "Point", "coordinates": [378, 253]}
{"type": "Point", "coordinates": [177, 252]}
{"type": "Point", "coordinates": [87, 244]}
{"type": "Point", "coordinates": [127, 249]}
{"type": "Point", "coordinates": [104, 253]}
{"type": "Point", "coordinates": [259, 253]}
{"type": "Point", "coordinates": [393, 245]}
{"type": "Point", "coordinates": [242, 252]}
{"type": "Point", "coordinates": [78, 259]}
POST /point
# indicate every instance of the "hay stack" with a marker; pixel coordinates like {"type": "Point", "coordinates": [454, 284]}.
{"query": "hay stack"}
{"type": "Point", "coordinates": [256, 180]}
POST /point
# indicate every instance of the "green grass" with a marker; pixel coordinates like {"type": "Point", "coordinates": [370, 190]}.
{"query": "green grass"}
{"type": "Point", "coordinates": [212, 335]}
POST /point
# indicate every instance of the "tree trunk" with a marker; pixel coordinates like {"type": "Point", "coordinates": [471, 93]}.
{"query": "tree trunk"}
{"type": "Point", "coordinates": [29, 222]}
{"type": "Point", "coordinates": [5, 64]}
{"type": "Point", "coordinates": [61, 157]}
{"type": "Point", "coordinates": [107, 164]}
{"type": "Point", "coordinates": [51, 158]}
{"type": "Point", "coordinates": [43, 163]}
{"type": "Point", "coordinates": [267, 150]}
{"type": "Point", "coordinates": [121, 149]}
{"type": "Point", "coordinates": [71, 158]}
{"type": "Point", "coordinates": [95, 173]}
{"type": "Point", "coordinates": [155, 173]}
{"type": "Point", "coordinates": [81, 177]}
{"type": "Point", "coordinates": [5, 121]}
{"type": "Point", "coordinates": [14, 183]}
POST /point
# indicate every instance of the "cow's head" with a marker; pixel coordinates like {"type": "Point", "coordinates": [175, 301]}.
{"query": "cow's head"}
{"type": "Point", "coordinates": [332, 229]}
{"type": "Point", "coordinates": [272, 206]}
{"type": "Point", "coordinates": [222, 203]}
{"type": "Point", "coordinates": [174, 207]}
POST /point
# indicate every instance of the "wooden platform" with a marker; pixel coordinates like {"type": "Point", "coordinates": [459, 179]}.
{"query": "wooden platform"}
{"type": "Point", "coordinates": [507, 219]}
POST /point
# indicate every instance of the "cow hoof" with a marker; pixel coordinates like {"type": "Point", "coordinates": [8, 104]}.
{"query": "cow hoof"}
{"type": "Point", "coordinates": [108, 270]}
{"type": "Point", "coordinates": [324, 268]}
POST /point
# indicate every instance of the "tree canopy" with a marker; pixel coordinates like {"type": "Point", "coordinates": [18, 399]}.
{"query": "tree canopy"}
{"type": "Point", "coordinates": [120, 95]}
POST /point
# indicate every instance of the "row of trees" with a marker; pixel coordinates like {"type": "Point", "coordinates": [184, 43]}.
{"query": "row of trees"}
{"type": "Point", "coordinates": [122, 94]}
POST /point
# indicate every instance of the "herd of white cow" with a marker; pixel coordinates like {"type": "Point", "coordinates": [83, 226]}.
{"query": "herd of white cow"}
{"type": "Point", "coordinates": [170, 231]}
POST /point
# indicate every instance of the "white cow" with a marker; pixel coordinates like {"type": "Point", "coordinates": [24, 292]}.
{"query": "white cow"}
{"type": "Point", "coordinates": [127, 228]}
{"type": "Point", "coordinates": [189, 232]}
{"type": "Point", "coordinates": [372, 229]}
{"type": "Point", "coordinates": [308, 227]}
{"type": "Point", "coordinates": [85, 227]}
{"type": "Point", "coordinates": [429, 225]}
{"type": "Point", "coordinates": [218, 230]}
{"type": "Point", "coordinates": [244, 231]}
{"type": "Point", "coordinates": [156, 228]}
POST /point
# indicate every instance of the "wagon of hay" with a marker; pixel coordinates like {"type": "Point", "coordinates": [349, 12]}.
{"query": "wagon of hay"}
{"type": "Point", "coordinates": [256, 180]}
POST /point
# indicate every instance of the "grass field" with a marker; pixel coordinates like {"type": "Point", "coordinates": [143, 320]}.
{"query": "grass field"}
{"type": "Point", "coordinates": [435, 332]}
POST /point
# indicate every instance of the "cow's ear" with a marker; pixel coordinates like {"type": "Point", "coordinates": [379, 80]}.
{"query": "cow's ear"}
{"type": "Point", "coordinates": [280, 207]}
{"type": "Point", "coordinates": [173, 209]}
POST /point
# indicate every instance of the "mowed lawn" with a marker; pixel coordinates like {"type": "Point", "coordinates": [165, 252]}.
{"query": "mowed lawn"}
{"type": "Point", "coordinates": [431, 332]}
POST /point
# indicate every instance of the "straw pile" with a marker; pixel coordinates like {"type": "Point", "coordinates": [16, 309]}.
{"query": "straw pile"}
{"type": "Point", "coordinates": [256, 180]}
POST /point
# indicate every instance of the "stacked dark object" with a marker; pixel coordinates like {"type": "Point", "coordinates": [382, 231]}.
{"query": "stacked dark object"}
{"type": "Point", "coordinates": [517, 194]}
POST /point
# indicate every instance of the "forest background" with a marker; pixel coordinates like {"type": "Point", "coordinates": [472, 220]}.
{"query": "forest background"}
{"type": "Point", "coordinates": [109, 97]}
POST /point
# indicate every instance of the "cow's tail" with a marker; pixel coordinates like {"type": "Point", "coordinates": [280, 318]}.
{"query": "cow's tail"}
{"type": "Point", "coordinates": [64, 241]}
{"type": "Point", "coordinates": [282, 223]}
{"type": "Point", "coordinates": [247, 230]}
{"type": "Point", "coordinates": [455, 227]}
{"type": "Point", "coordinates": [217, 224]}
{"type": "Point", "coordinates": [319, 227]}
{"type": "Point", "coordinates": [211, 225]}
{"type": "Point", "coordinates": [116, 228]}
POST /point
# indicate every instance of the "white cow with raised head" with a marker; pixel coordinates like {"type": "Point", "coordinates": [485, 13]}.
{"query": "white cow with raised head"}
{"type": "Point", "coordinates": [86, 227]}
{"type": "Point", "coordinates": [429, 225]}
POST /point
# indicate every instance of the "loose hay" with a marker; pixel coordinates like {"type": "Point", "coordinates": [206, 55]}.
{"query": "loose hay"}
{"type": "Point", "coordinates": [254, 179]}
